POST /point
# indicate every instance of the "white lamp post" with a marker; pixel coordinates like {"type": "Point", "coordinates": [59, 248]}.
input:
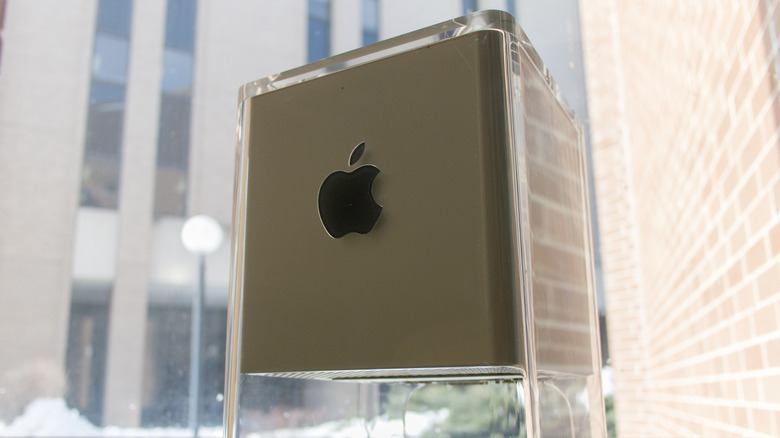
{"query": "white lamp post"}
{"type": "Point", "coordinates": [201, 235]}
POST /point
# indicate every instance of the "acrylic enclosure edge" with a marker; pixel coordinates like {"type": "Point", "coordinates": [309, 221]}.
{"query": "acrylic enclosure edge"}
{"type": "Point", "coordinates": [516, 42]}
{"type": "Point", "coordinates": [522, 239]}
{"type": "Point", "coordinates": [591, 276]}
{"type": "Point", "coordinates": [235, 299]}
{"type": "Point", "coordinates": [480, 20]}
{"type": "Point", "coordinates": [519, 42]}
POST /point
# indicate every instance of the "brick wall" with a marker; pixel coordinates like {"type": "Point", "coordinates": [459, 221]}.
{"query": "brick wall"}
{"type": "Point", "coordinates": [565, 345]}
{"type": "Point", "coordinates": [683, 103]}
{"type": "Point", "coordinates": [557, 214]}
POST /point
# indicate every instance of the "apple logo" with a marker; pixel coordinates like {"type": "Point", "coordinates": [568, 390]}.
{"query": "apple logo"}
{"type": "Point", "coordinates": [346, 203]}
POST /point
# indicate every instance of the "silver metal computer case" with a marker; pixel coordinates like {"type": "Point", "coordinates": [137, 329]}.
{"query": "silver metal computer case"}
{"type": "Point", "coordinates": [411, 239]}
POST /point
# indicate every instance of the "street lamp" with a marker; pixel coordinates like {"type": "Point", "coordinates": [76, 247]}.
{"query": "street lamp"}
{"type": "Point", "coordinates": [200, 235]}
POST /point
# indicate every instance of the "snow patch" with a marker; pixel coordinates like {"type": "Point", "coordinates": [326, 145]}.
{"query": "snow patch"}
{"type": "Point", "coordinates": [51, 417]}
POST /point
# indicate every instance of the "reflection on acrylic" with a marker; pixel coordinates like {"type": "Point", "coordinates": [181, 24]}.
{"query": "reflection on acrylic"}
{"type": "Point", "coordinates": [279, 407]}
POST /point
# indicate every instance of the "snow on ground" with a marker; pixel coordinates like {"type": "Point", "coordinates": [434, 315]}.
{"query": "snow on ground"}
{"type": "Point", "coordinates": [51, 417]}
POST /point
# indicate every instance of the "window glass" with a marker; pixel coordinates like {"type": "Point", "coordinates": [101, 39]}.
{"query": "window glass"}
{"type": "Point", "coordinates": [319, 30]}
{"type": "Point", "coordinates": [104, 123]}
{"type": "Point", "coordinates": [173, 141]}
{"type": "Point", "coordinates": [105, 112]}
{"type": "Point", "coordinates": [510, 7]}
{"type": "Point", "coordinates": [180, 24]}
{"type": "Point", "coordinates": [319, 9]}
{"type": "Point", "coordinates": [177, 71]}
{"type": "Point", "coordinates": [109, 62]}
{"type": "Point", "coordinates": [174, 137]}
{"type": "Point", "coordinates": [170, 192]}
{"type": "Point", "coordinates": [470, 6]}
{"type": "Point", "coordinates": [148, 92]}
{"type": "Point", "coordinates": [85, 358]}
{"type": "Point", "coordinates": [167, 379]}
{"type": "Point", "coordinates": [113, 17]}
{"type": "Point", "coordinates": [100, 183]}
{"type": "Point", "coordinates": [109, 96]}
{"type": "Point", "coordinates": [370, 22]}
{"type": "Point", "coordinates": [100, 174]}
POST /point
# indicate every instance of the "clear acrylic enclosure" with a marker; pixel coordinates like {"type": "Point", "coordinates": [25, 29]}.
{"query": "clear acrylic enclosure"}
{"type": "Point", "coordinates": [468, 309]}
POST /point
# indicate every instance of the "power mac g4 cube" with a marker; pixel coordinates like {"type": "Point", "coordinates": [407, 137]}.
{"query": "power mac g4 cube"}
{"type": "Point", "coordinates": [412, 251]}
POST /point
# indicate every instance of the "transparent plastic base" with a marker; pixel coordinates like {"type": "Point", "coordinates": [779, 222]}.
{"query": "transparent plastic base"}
{"type": "Point", "coordinates": [292, 407]}
{"type": "Point", "coordinates": [288, 407]}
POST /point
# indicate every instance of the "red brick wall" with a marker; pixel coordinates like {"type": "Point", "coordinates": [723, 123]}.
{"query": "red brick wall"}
{"type": "Point", "coordinates": [683, 103]}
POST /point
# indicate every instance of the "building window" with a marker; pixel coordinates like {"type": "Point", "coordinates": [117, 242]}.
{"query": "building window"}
{"type": "Point", "coordinates": [166, 379]}
{"type": "Point", "coordinates": [370, 21]}
{"type": "Point", "coordinates": [319, 30]}
{"type": "Point", "coordinates": [166, 382]}
{"type": "Point", "coordinates": [105, 115]}
{"type": "Point", "coordinates": [113, 17]}
{"type": "Point", "coordinates": [85, 363]}
{"type": "Point", "coordinates": [510, 7]}
{"type": "Point", "coordinates": [470, 6]}
{"type": "Point", "coordinates": [180, 25]}
{"type": "Point", "coordinates": [173, 141]}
